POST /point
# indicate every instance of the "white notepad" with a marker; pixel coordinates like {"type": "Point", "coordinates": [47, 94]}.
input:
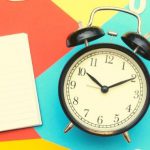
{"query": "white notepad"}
{"type": "Point", "coordinates": [19, 106]}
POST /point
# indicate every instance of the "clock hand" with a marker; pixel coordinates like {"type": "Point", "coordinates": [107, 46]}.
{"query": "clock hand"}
{"type": "Point", "coordinates": [121, 82]}
{"type": "Point", "coordinates": [94, 80]}
{"type": "Point", "coordinates": [104, 89]}
{"type": "Point", "coordinates": [92, 86]}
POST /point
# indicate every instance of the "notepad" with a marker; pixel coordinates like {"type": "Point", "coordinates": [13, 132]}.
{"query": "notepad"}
{"type": "Point", "coordinates": [19, 106]}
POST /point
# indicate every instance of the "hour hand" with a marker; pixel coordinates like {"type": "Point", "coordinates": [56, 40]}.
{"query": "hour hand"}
{"type": "Point", "coordinates": [94, 80]}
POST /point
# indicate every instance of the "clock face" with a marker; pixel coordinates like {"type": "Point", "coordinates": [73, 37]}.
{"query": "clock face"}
{"type": "Point", "coordinates": [104, 90]}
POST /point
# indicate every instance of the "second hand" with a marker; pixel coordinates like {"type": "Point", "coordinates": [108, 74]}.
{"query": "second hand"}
{"type": "Point", "coordinates": [93, 86]}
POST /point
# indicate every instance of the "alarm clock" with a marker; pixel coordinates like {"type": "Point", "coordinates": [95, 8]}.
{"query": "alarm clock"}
{"type": "Point", "coordinates": [104, 89]}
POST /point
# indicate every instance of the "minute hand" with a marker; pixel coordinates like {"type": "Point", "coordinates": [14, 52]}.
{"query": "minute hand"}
{"type": "Point", "coordinates": [121, 82]}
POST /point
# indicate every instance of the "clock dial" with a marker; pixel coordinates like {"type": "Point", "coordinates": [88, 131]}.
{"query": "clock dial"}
{"type": "Point", "coordinates": [105, 91]}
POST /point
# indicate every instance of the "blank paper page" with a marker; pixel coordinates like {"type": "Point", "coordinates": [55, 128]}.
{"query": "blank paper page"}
{"type": "Point", "coordinates": [19, 106]}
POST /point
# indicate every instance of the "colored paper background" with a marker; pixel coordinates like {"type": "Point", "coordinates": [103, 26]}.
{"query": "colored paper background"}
{"type": "Point", "coordinates": [48, 23]}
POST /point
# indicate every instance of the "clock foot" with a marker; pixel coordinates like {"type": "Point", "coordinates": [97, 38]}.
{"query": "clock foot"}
{"type": "Point", "coordinates": [69, 127]}
{"type": "Point", "coordinates": [127, 137]}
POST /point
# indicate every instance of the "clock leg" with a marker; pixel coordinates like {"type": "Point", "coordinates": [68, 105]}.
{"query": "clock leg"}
{"type": "Point", "coordinates": [127, 137]}
{"type": "Point", "coordinates": [69, 127]}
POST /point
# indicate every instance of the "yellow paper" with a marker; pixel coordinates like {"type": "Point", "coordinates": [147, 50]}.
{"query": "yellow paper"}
{"type": "Point", "coordinates": [38, 144]}
{"type": "Point", "coordinates": [80, 10]}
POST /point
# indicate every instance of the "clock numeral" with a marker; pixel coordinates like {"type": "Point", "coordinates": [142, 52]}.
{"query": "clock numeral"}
{"type": "Point", "coordinates": [100, 120]}
{"type": "Point", "coordinates": [82, 71]}
{"type": "Point", "coordinates": [136, 94]}
{"type": "Point", "coordinates": [116, 118]}
{"type": "Point", "coordinates": [75, 100]}
{"type": "Point", "coordinates": [109, 59]}
{"type": "Point", "coordinates": [93, 62]}
{"type": "Point", "coordinates": [86, 112]}
{"type": "Point", "coordinates": [129, 108]}
{"type": "Point", "coordinates": [123, 66]}
{"type": "Point", "coordinates": [72, 84]}
{"type": "Point", "coordinates": [133, 76]}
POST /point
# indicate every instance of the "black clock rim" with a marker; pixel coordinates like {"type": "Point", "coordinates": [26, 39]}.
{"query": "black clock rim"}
{"type": "Point", "coordinates": [85, 50]}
